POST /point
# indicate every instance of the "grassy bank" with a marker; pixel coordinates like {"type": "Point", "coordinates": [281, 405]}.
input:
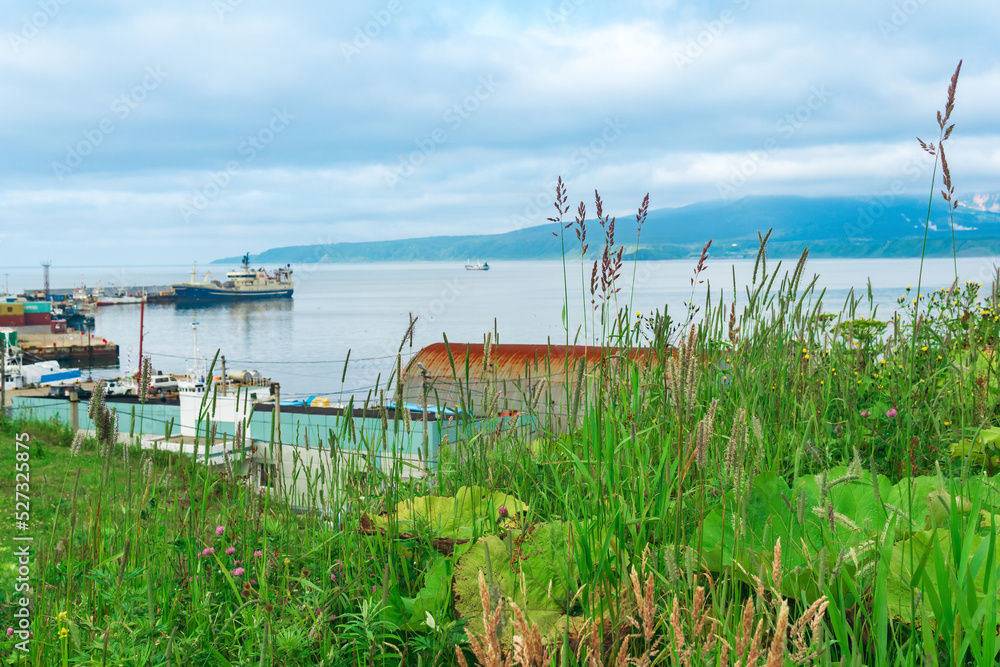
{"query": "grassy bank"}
{"type": "Point", "coordinates": [777, 464]}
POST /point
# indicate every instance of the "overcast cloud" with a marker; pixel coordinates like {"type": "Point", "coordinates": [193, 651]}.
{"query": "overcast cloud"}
{"type": "Point", "coordinates": [166, 132]}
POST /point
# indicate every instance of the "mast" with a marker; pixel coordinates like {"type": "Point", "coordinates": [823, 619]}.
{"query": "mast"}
{"type": "Point", "coordinates": [142, 317]}
{"type": "Point", "coordinates": [194, 330]}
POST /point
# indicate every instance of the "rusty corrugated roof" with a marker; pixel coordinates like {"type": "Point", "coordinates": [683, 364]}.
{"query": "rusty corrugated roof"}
{"type": "Point", "coordinates": [507, 362]}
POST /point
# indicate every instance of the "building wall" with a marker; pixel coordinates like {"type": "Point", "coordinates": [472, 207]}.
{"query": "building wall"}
{"type": "Point", "coordinates": [150, 419]}
{"type": "Point", "coordinates": [302, 463]}
{"type": "Point", "coordinates": [549, 383]}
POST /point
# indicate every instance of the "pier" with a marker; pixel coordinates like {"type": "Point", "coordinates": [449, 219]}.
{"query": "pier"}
{"type": "Point", "coordinates": [73, 347]}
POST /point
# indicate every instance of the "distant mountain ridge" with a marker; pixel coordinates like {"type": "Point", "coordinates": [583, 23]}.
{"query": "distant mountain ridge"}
{"type": "Point", "coordinates": [829, 226]}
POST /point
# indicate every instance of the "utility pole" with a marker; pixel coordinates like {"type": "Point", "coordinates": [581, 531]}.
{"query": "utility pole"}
{"type": "Point", "coordinates": [74, 411]}
{"type": "Point", "coordinates": [3, 374]}
{"type": "Point", "coordinates": [90, 354]}
{"type": "Point", "coordinates": [276, 392]}
{"type": "Point", "coordinates": [194, 329]}
{"type": "Point", "coordinates": [423, 400]}
{"type": "Point", "coordinates": [142, 319]}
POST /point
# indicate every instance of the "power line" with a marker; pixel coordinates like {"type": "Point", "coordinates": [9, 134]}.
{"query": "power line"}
{"type": "Point", "coordinates": [308, 361]}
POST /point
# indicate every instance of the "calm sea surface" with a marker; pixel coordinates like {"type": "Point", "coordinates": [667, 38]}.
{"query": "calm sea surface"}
{"type": "Point", "coordinates": [365, 308]}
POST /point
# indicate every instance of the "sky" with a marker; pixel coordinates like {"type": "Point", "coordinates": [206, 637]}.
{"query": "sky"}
{"type": "Point", "coordinates": [166, 132]}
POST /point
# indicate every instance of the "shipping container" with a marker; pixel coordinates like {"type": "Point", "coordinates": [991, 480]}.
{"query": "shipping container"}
{"type": "Point", "coordinates": [58, 326]}
{"type": "Point", "coordinates": [12, 308]}
{"type": "Point", "coordinates": [11, 320]}
{"type": "Point", "coordinates": [9, 337]}
{"type": "Point", "coordinates": [37, 319]}
{"type": "Point", "coordinates": [37, 307]}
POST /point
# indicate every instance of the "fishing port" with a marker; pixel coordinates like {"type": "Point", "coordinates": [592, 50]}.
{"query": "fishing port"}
{"type": "Point", "coordinates": [48, 332]}
{"type": "Point", "coordinates": [44, 336]}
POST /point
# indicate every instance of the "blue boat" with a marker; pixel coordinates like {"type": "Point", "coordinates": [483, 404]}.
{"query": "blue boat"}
{"type": "Point", "coordinates": [245, 284]}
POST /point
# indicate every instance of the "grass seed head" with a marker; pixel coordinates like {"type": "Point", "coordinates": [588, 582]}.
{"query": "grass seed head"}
{"type": "Point", "coordinates": [77, 445]}
{"type": "Point", "coordinates": [622, 660]}
{"type": "Point", "coordinates": [704, 433]}
{"type": "Point", "coordinates": [145, 373]}
{"type": "Point", "coordinates": [776, 574]}
{"type": "Point", "coordinates": [776, 655]}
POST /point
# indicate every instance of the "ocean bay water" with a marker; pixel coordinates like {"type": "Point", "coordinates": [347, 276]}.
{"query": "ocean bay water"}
{"type": "Point", "coordinates": [366, 308]}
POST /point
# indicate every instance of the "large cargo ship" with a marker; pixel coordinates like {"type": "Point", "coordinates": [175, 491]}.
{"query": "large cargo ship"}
{"type": "Point", "coordinates": [244, 284]}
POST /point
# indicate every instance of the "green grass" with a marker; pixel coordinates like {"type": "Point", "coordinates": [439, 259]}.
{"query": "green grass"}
{"type": "Point", "coordinates": [781, 478]}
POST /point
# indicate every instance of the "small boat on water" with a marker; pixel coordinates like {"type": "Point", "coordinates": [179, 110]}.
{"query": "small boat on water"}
{"type": "Point", "coordinates": [100, 299]}
{"type": "Point", "coordinates": [478, 266]}
{"type": "Point", "coordinates": [244, 284]}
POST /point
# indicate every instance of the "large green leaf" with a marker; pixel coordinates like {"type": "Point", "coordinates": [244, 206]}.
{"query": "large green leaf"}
{"type": "Point", "coordinates": [904, 591]}
{"type": "Point", "coordinates": [772, 511]}
{"type": "Point", "coordinates": [926, 501]}
{"type": "Point", "coordinates": [535, 570]}
{"type": "Point", "coordinates": [929, 554]}
{"type": "Point", "coordinates": [768, 518]}
{"type": "Point", "coordinates": [435, 596]}
{"type": "Point", "coordinates": [984, 450]}
{"type": "Point", "coordinates": [848, 524]}
{"type": "Point", "coordinates": [470, 513]}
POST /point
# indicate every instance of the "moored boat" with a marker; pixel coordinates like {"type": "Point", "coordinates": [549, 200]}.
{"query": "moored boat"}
{"type": "Point", "coordinates": [17, 374]}
{"type": "Point", "coordinates": [100, 299]}
{"type": "Point", "coordinates": [166, 296]}
{"type": "Point", "coordinates": [243, 284]}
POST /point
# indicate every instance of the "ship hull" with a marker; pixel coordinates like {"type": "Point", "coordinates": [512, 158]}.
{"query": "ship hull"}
{"type": "Point", "coordinates": [189, 294]}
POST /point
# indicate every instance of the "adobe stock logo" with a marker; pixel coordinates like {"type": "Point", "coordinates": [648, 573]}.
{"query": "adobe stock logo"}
{"type": "Point", "coordinates": [711, 31]}
{"type": "Point", "coordinates": [32, 25]}
{"type": "Point", "coordinates": [786, 127]}
{"type": "Point", "coordinates": [454, 116]}
{"type": "Point", "coordinates": [363, 35]}
{"type": "Point", "coordinates": [218, 181]}
{"type": "Point", "coordinates": [122, 107]}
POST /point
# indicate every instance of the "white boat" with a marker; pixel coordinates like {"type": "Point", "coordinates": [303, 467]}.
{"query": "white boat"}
{"type": "Point", "coordinates": [82, 300]}
{"type": "Point", "coordinates": [478, 266]}
{"type": "Point", "coordinates": [48, 372]}
{"type": "Point", "coordinates": [43, 373]}
{"type": "Point", "coordinates": [99, 298]}
{"type": "Point", "coordinates": [12, 362]}
{"type": "Point", "coordinates": [228, 402]}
